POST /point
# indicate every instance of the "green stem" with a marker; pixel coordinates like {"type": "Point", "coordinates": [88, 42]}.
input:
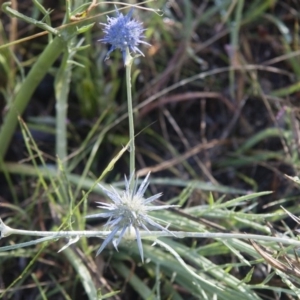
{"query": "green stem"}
{"type": "Point", "coordinates": [62, 87]}
{"type": "Point", "coordinates": [34, 77]}
{"type": "Point", "coordinates": [128, 64]}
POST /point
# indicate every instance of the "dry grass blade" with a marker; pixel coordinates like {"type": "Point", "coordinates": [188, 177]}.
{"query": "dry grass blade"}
{"type": "Point", "coordinates": [296, 219]}
{"type": "Point", "coordinates": [289, 269]}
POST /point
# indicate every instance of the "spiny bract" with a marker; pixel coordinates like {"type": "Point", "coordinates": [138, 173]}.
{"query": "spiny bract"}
{"type": "Point", "coordinates": [129, 209]}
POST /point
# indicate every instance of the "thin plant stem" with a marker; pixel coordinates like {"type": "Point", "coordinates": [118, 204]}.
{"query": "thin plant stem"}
{"type": "Point", "coordinates": [6, 231]}
{"type": "Point", "coordinates": [128, 64]}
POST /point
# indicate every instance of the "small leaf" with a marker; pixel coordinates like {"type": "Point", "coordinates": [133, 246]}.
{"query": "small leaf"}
{"type": "Point", "coordinates": [85, 28]}
{"type": "Point", "coordinates": [248, 277]}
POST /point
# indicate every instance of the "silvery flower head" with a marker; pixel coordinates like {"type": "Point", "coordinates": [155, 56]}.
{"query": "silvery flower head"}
{"type": "Point", "coordinates": [122, 32]}
{"type": "Point", "coordinates": [128, 210]}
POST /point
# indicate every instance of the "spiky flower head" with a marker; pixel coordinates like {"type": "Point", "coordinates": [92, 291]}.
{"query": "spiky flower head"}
{"type": "Point", "coordinates": [122, 32]}
{"type": "Point", "coordinates": [128, 210]}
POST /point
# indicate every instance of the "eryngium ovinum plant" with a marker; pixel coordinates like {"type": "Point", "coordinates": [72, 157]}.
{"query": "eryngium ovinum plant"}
{"type": "Point", "coordinates": [128, 210]}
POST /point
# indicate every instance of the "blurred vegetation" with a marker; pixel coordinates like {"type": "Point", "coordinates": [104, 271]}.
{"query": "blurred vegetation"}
{"type": "Point", "coordinates": [217, 110]}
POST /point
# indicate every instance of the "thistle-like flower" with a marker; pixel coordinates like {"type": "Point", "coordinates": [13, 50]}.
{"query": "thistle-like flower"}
{"type": "Point", "coordinates": [128, 210]}
{"type": "Point", "coordinates": [122, 33]}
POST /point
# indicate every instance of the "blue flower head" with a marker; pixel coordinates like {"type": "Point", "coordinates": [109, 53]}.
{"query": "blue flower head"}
{"type": "Point", "coordinates": [122, 32]}
{"type": "Point", "coordinates": [128, 212]}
